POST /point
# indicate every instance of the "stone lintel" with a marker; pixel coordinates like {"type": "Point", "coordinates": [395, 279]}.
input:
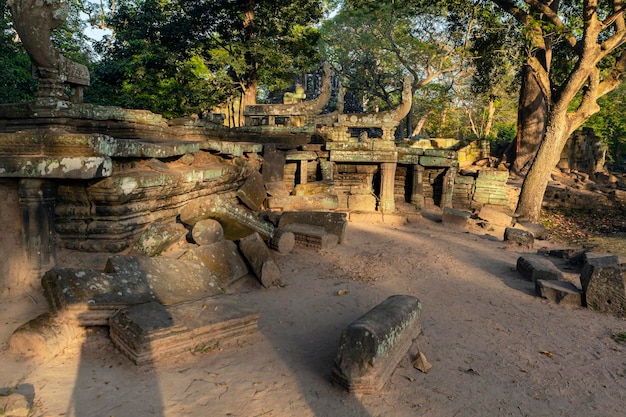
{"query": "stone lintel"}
{"type": "Point", "coordinates": [437, 161]}
{"type": "Point", "coordinates": [367, 145]}
{"type": "Point", "coordinates": [442, 153]}
{"type": "Point", "coordinates": [55, 167]}
{"type": "Point", "coordinates": [301, 156]}
{"type": "Point", "coordinates": [144, 148]}
{"type": "Point", "coordinates": [363, 156]}
{"type": "Point", "coordinates": [323, 201]}
{"type": "Point", "coordinates": [371, 347]}
{"type": "Point", "coordinates": [231, 148]}
{"type": "Point", "coordinates": [408, 158]}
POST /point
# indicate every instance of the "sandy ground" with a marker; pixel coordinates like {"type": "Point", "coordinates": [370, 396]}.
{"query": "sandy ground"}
{"type": "Point", "coordinates": [496, 348]}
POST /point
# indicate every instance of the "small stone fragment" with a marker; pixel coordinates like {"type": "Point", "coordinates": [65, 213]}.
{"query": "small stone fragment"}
{"type": "Point", "coordinates": [421, 363]}
{"type": "Point", "coordinates": [14, 405]}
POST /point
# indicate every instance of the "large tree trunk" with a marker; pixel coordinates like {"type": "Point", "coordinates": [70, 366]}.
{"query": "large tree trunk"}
{"type": "Point", "coordinates": [531, 122]}
{"type": "Point", "coordinates": [536, 181]}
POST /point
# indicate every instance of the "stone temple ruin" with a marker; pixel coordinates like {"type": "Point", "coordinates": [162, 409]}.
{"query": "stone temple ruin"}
{"type": "Point", "coordinates": [186, 208]}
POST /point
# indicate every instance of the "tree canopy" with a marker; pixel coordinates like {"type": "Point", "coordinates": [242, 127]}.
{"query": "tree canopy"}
{"type": "Point", "coordinates": [182, 56]}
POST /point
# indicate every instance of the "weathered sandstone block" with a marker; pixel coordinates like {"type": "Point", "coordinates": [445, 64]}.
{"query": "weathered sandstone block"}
{"type": "Point", "coordinates": [312, 236]}
{"type": "Point", "coordinates": [260, 259]}
{"type": "Point", "coordinates": [603, 285]}
{"type": "Point", "coordinates": [371, 347]}
{"type": "Point", "coordinates": [149, 332]}
{"type": "Point", "coordinates": [534, 267]}
{"type": "Point", "coordinates": [559, 292]}
{"type": "Point", "coordinates": [332, 222]}
{"type": "Point", "coordinates": [222, 261]}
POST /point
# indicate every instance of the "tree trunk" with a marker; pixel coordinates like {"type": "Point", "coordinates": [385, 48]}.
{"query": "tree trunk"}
{"type": "Point", "coordinates": [420, 125]}
{"type": "Point", "coordinates": [490, 113]}
{"type": "Point", "coordinates": [536, 181]}
{"type": "Point", "coordinates": [249, 95]}
{"type": "Point", "coordinates": [531, 122]}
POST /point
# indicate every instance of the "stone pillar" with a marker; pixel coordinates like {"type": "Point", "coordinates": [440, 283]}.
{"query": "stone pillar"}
{"type": "Point", "coordinates": [448, 187]}
{"type": "Point", "coordinates": [328, 170]}
{"type": "Point", "coordinates": [387, 183]}
{"type": "Point", "coordinates": [304, 165]}
{"type": "Point", "coordinates": [37, 200]}
{"type": "Point", "coordinates": [417, 191]}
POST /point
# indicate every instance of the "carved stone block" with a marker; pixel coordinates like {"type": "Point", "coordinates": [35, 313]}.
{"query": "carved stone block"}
{"type": "Point", "coordinates": [371, 347]}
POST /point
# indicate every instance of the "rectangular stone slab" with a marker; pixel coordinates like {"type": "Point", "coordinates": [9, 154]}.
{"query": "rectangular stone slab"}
{"type": "Point", "coordinates": [311, 236]}
{"type": "Point", "coordinates": [90, 297]}
{"type": "Point", "coordinates": [170, 281]}
{"type": "Point", "coordinates": [150, 332]}
{"type": "Point", "coordinates": [371, 347]}
{"type": "Point", "coordinates": [534, 267]}
{"type": "Point", "coordinates": [560, 292]}
{"type": "Point", "coordinates": [252, 192]}
{"type": "Point", "coordinates": [332, 222]}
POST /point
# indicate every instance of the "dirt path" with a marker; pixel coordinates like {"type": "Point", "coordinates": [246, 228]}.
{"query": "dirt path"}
{"type": "Point", "coordinates": [496, 349]}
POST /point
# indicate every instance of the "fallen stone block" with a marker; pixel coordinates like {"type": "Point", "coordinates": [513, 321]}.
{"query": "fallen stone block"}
{"type": "Point", "coordinates": [495, 216]}
{"type": "Point", "coordinates": [538, 230]}
{"type": "Point", "coordinates": [518, 237]}
{"type": "Point", "coordinates": [252, 192]}
{"type": "Point", "coordinates": [534, 267]}
{"type": "Point", "coordinates": [283, 241]}
{"type": "Point", "coordinates": [560, 292]}
{"type": "Point", "coordinates": [333, 222]}
{"type": "Point", "coordinates": [207, 231]}
{"type": "Point", "coordinates": [157, 238]}
{"type": "Point", "coordinates": [169, 281]}
{"type": "Point", "coordinates": [150, 332]}
{"type": "Point", "coordinates": [222, 261]}
{"type": "Point", "coordinates": [260, 259]}
{"type": "Point", "coordinates": [603, 285]}
{"type": "Point", "coordinates": [454, 217]}
{"type": "Point", "coordinates": [90, 297]}
{"type": "Point", "coordinates": [371, 347]}
{"type": "Point", "coordinates": [310, 236]}
{"type": "Point", "coordinates": [237, 222]}
{"type": "Point", "coordinates": [44, 337]}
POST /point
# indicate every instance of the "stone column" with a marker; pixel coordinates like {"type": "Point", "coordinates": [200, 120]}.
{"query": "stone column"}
{"type": "Point", "coordinates": [328, 170]}
{"type": "Point", "coordinates": [304, 174]}
{"type": "Point", "coordinates": [37, 200]}
{"type": "Point", "coordinates": [387, 183]}
{"type": "Point", "coordinates": [417, 191]}
{"type": "Point", "coordinates": [448, 187]}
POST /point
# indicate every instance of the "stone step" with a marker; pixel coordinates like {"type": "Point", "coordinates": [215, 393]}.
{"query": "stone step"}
{"type": "Point", "coordinates": [150, 332]}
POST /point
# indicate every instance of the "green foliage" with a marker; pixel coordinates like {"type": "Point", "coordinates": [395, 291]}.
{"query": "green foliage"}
{"type": "Point", "coordinates": [178, 57]}
{"type": "Point", "coordinates": [16, 83]}
{"type": "Point", "coordinates": [609, 124]}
